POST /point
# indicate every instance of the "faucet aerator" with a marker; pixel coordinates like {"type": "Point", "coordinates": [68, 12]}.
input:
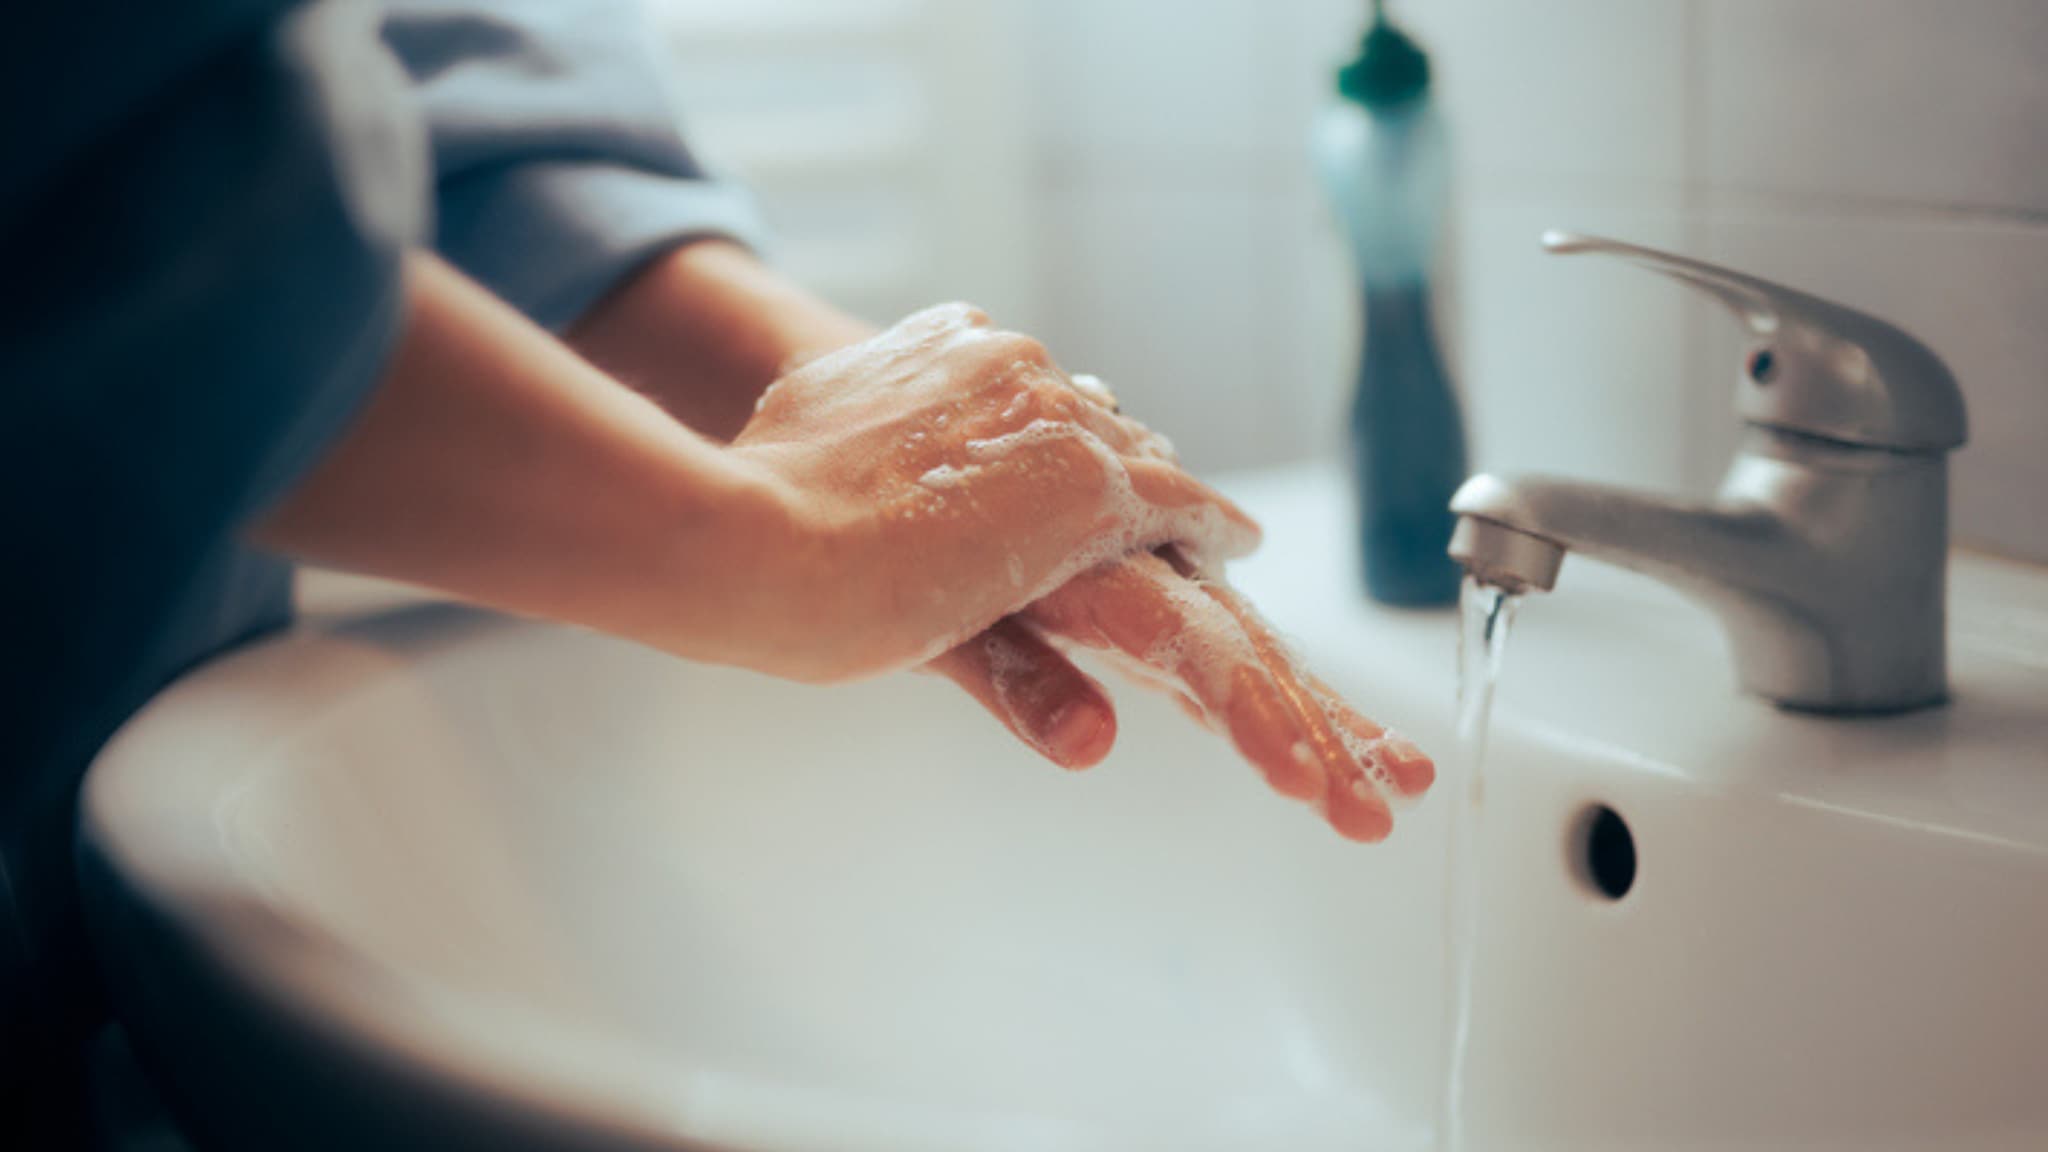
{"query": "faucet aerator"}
{"type": "Point", "coordinates": [1506, 558]}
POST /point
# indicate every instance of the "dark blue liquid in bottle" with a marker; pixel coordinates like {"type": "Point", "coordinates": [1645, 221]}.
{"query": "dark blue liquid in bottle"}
{"type": "Point", "coordinates": [1381, 152]}
{"type": "Point", "coordinates": [1407, 450]}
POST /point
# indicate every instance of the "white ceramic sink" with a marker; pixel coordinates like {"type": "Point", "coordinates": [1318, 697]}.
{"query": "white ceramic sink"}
{"type": "Point", "coordinates": [428, 878]}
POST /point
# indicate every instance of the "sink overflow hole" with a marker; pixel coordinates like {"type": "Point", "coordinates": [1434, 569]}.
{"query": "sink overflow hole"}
{"type": "Point", "coordinates": [1603, 852]}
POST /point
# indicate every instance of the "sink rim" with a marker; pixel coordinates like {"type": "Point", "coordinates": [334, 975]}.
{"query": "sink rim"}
{"type": "Point", "coordinates": [154, 852]}
{"type": "Point", "coordinates": [152, 849]}
{"type": "Point", "coordinates": [159, 854]}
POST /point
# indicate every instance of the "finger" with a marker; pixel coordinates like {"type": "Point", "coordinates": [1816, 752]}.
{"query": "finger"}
{"type": "Point", "coordinates": [1029, 387]}
{"type": "Point", "coordinates": [1127, 436]}
{"type": "Point", "coordinates": [1037, 693]}
{"type": "Point", "coordinates": [1085, 400]}
{"type": "Point", "coordinates": [1121, 431]}
{"type": "Point", "coordinates": [1129, 609]}
{"type": "Point", "coordinates": [1352, 800]}
{"type": "Point", "coordinates": [1091, 386]}
{"type": "Point", "coordinates": [1404, 768]}
{"type": "Point", "coordinates": [1210, 523]}
{"type": "Point", "coordinates": [1247, 685]}
{"type": "Point", "coordinates": [1147, 677]}
{"type": "Point", "coordinates": [1074, 483]}
{"type": "Point", "coordinates": [1147, 443]}
{"type": "Point", "coordinates": [945, 317]}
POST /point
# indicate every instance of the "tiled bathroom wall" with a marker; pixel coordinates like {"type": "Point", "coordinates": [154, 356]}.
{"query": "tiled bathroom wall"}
{"type": "Point", "coordinates": [879, 137]}
{"type": "Point", "coordinates": [1175, 214]}
{"type": "Point", "coordinates": [1890, 153]}
{"type": "Point", "coordinates": [1130, 180]}
{"type": "Point", "coordinates": [1895, 154]}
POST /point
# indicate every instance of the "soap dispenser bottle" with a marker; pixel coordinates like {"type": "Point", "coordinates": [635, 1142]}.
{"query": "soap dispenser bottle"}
{"type": "Point", "coordinates": [1381, 152]}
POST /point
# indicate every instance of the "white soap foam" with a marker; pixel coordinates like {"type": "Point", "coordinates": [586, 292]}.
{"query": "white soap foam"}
{"type": "Point", "coordinates": [1008, 666]}
{"type": "Point", "coordinates": [1369, 754]}
{"type": "Point", "coordinates": [948, 476]}
{"type": "Point", "coordinates": [1129, 524]}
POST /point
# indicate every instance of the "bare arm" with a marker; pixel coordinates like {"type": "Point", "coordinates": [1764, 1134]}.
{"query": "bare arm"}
{"type": "Point", "coordinates": [493, 463]}
{"type": "Point", "coordinates": [705, 329]}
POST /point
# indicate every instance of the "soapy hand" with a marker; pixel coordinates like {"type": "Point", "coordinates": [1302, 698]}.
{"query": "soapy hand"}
{"type": "Point", "coordinates": [1168, 624]}
{"type": "Point", "coordinates": [884, 504]}
{"type": "Point", "coordinates": [971, 489]}
{"type": "Point", "coordinates": [940, 476]}
{"type": "Point", "coordinates": [1164, 624]}
{"type": "Point", "coordinates": [943, 482]}
{"type": "Point", "coordinates": [932, 511]}
{"type": "Point", "coordinates": [1174, 627]}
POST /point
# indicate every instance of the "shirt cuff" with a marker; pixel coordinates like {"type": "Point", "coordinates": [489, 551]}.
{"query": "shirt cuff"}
{"type": "Point", "coordinates": [552, 236]}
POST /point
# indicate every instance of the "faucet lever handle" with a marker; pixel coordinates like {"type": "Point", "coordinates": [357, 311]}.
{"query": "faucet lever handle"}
{"type": "Point", "coordinates": [1818, 368]}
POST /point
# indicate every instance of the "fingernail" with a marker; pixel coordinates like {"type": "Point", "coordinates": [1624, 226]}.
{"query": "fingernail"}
{"type": "Point", "coordinates": [1080, 733]}
{"type": "Point", "coordinates": [1356, 811]}
{"type": "Point", "coordinates": [1412, 769]}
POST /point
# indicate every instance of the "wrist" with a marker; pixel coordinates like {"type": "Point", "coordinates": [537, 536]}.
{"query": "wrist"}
{"type": "Point", "coordinates": [755, 568]}
{"type": "Point", "coordinates": [704, 329]}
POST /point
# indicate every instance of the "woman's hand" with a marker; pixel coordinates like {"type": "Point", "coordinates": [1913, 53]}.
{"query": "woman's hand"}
{"type": "Point", "coordinates": [941, 476]}
{"type": "Point", "coordinates": [1165, 626]}
{"type": "Point", "coordinates": [1169, 626]}
{"type": "Point", "coordinates": [922, 448]}
{"type": "Point", "coordinates": [705, 330]}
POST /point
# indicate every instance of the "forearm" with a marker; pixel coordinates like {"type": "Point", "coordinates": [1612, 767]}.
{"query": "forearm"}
{"type": "Point", "coordinates": [494, 464]}
{"type": "Point", "coordinates": [704, 329]}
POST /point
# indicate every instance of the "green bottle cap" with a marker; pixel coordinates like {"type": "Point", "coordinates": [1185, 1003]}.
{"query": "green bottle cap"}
{"type": "Point", "coordinates": [1390, 70]}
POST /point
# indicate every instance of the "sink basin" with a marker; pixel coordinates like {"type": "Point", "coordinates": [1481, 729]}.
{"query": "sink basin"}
{"type": "Point", "coordinates": [417, 876]}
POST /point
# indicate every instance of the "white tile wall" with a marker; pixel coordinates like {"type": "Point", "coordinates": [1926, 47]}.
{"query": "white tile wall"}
{"type": "Point", "coordinates": [1894, 154]}
{"type": "Point", "coordinates": [1121, 75]}
{"type": "Point", "coordinates": [1904, 102]}
{"type": "Point", "coordinates": [1589, 92]}
{"type": "Point", "coordinates": [1890, 152]}
{"type": "Point", "coordinates": [1976, 290]}
{"type": "Point", "coordinates": [1571, 364]}
{"type": "Point", "coordinates": [1173, 197]}
{"type": "Point", "coordinates": [1188, 246]}
{"type": "Point", "coordinates": [1163, 275]}
{"type": "Point", "coordinates": [886, 141]}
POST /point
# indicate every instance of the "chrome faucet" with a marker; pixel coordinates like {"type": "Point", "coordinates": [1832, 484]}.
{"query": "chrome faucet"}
{"type": "Point", "coordinates": [1825, 553]}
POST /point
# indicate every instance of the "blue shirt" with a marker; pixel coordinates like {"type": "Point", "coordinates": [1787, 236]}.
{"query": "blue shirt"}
{"type": "Point", "coordinates": [202, 210]}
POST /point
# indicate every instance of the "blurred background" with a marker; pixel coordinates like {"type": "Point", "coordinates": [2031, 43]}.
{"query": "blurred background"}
{"type": "Point", "coordinates": [1130, 181]}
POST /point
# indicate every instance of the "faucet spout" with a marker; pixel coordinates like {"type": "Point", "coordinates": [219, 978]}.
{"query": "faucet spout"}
{"type": "Point", "coordinates": [1515, 534]}
{"type": "Point", "coordinates": [1829, 605]}
{"type": "Point", "coordinates": [1502, 556]}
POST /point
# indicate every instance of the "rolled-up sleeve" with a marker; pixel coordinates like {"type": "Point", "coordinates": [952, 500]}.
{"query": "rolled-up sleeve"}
{"type": "Point", "coordinates": [558, 162]}
{"type": "Point", "coordinates": [204, 223]}
{"type": "Point", "coordinates": [204, 211]}
{"type": "Point", "coordinates": [213, 237]}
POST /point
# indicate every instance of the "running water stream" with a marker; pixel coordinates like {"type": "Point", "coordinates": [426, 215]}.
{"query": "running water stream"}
{"type": "Point", "coordinates": [1487, 614]}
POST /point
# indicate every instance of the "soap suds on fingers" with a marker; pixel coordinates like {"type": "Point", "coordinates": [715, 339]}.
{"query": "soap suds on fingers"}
{"type": "Point", "coordinates": [1130, 523]}
{"type": "Point", "coordinates": [1187, 631]}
